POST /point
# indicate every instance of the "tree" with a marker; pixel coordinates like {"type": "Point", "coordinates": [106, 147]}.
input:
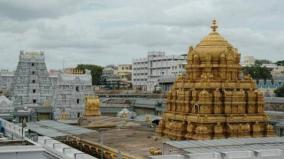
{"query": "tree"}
{"type": "Point", "coordinates": [258, 72]}
{"type": "Point", "coordinates": [280, 63]}
{"type": "Point", "coordinates": [262, 61]}
{"type": "Point", "coordinates": [96, 72]}
{"type": "Point", "coordinates": [279, 92]}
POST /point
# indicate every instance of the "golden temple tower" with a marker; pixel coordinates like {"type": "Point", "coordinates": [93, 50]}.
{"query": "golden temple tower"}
{"type": "Point", "coordinates": [212, 100]}
{"type": "Point", "coordinates": [92, 106]}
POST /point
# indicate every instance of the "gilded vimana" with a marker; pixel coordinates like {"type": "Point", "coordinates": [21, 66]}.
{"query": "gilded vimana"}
{"type": "Point", "coordinates": [133, 79]}
{"type": "Point", "coordinates": [213, 99]}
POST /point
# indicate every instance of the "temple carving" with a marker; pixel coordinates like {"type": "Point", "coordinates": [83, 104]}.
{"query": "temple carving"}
{"type": "Point", "coordinates": [213, 99]}
{"type": "Point", "coordinates": [92, 106]}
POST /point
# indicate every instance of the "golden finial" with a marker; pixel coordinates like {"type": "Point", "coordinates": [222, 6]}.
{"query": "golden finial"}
{"type": "Point", "coordinates": [214, 26]}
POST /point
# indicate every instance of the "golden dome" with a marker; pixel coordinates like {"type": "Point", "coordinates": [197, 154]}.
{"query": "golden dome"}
{"type": "Point", "coordinates": [214, 39]}
{"type": "Point", "coordinates": [213, 45]}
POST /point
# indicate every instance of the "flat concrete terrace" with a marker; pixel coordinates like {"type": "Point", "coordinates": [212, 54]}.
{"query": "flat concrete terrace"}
{"type": "Point", "coordinates": [134, 140]}
{"type": "Point", "coordinates": [52, 128]}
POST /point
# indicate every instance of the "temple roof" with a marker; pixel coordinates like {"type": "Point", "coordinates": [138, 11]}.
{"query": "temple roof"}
{"type": "Point", "coordinates": [32, 55]}
{"type": "Point", "coordinates": [213, 45]}
{"type": "Point", "coordinates": [214, 38]}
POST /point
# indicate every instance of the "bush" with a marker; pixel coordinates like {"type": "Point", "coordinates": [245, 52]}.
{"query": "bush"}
{"type": "Point", "coordinates": [280, 91]}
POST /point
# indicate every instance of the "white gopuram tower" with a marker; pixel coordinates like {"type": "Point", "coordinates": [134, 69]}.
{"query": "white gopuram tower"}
{"type": "Point", "coordinates": [32, 86]}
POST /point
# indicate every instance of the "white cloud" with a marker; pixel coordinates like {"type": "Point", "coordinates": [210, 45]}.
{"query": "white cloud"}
{"type": "Point", "coordinates": [115, 31]}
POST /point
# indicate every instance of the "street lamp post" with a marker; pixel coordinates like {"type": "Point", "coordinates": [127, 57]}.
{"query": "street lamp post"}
{"type": "Point", "coordinates": [24, 124]}
{"type": "Point", "coordinates": [14, 122]}
{"type": "Point", "coordinates": [101, 141]}
{"type": "Point", "coordinates": [119, 155]}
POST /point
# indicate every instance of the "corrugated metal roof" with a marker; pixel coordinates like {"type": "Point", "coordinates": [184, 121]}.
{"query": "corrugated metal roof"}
{"type": "Point", "coordinates": [225, 142]}
{"type": "Point", "coordinates": [274, 99]}
{"type": "Point", "coordinates": [232, 148]}
{"type": "Point", "coordinates": [55, 129]}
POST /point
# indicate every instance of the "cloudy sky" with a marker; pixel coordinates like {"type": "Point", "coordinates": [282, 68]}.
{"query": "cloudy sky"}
{"type": "Point", "coordinates": [116, 31]}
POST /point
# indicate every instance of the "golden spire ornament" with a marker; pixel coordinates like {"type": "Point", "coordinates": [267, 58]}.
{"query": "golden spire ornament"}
{"type": "Point", "coordinates": [214, 25]}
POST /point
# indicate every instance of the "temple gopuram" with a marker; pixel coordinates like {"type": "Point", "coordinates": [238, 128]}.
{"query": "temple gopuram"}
{"type": "Point", "coordinates": [213, 99]}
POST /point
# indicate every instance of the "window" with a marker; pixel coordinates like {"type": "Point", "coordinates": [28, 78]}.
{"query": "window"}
{"type": "Point", "coordinates": [33, 81]}
{"type": "Point", "coordinates": [77, 88]}
{"type": "Point", "coordinates": [78, 101]}
{"type": "Point", "coordinates": [33, 72]}
{"type": "Point", "coordinates": [33, 64]}
{"type": "Point", "coordinates": [34, 90]}
{"type": "Point", "coordinates": [34, 100]}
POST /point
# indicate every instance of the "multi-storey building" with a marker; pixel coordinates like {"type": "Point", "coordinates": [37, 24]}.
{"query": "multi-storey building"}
{"type": "Point", "coordinates": [248, 61]}
{"type": "Point", "coordinates": [147, 71]}
{"type": "Point", "coordinates": [117, 77]}
{"type": "Point", "coordinates": [109, 71]}
{"type": "Point", "coordinates": [124, 71]}
{"type": "Point", "coordinates": [278, 73]}
{"type": "Point", "coordinates": [6, 79]}
{"type": "Point", "coordinates": [140, 73]}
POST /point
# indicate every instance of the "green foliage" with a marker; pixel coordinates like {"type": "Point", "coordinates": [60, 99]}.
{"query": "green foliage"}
{"type": "Point", "coordinates": [262, 61]}
{"type": "Point", "coordinates": [280, 63]}
{"type": "Point", "coordinates": [96, 72]}
{"type": "Point", "coordinates": [279, 92]}
{"type": "Point", "coordinates": [258, 72]}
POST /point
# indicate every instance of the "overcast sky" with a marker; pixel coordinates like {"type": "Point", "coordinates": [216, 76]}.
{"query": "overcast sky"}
{"type": "Point", "coordinates": [116, 31]}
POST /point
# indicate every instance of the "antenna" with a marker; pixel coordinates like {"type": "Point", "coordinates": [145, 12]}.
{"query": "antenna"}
{"type": "Point", "coordinates": [63, 64]}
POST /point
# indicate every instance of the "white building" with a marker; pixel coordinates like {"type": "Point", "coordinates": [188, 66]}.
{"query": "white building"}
{"type": "Point", "coordinates": [70, 92]}
{"type": "Point", "coordinates": [35, 91]}
{"type": "Point", "coordinates": [147, 71]}
{"type": "Point", "coordinates": [6, 79]}
{"type": "Point", "coordinates": [109, 71]}
{"type": "Point", "coordinates": [5, 105]}
{"type": "Point", "coordinates": [278, 73]}
{"type": "Point", "coordinates": [31, 84]}
{"type": "Point", "coordinates": [231, 148]}
{"type": "Point", "coordinates": [124, 71]}
{"type": "Point", "coordinates": [248, 61]}
{"type": "Point", "coordinates": [270, 65]}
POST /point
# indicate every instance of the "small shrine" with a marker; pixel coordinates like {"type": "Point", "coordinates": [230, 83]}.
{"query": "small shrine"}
{"type": "Point", "coordinates": [92, 106]}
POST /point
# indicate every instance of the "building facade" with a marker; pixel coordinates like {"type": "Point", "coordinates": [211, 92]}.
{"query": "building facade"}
{"type": "Point", "coordinates": [117, 77]}
{"type": "Point", "coordinates": [248, 61]}
{"type": "Point", "coordinates": [124, 71]}
{"type": "Point", "coordinates": [109, 71]}
{"type": "Point", "coordinates": [70, 92]}
{"type": "Point", "coordinates": [147, 71]}
{"type": "Point", "coordinates": [6, 108]}
{"type": "Point", "coordinates": [278, 73]}
{"type": "Point", "coordinates": [38, 94]}
{"type": "Point", "coordinates": [31, 89]}
{"type": "Point", "coordinates": [6, 79]}
{"type": "Point", "coordinates": [269, 86]}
